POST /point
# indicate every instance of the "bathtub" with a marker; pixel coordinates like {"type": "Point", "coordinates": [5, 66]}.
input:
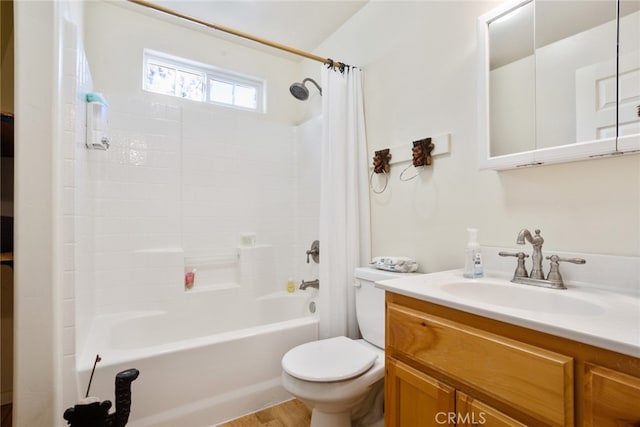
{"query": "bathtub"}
{"type": "Point", "coordinates": [199, 366]}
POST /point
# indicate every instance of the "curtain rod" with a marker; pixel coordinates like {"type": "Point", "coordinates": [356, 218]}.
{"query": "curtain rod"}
{"type": "Point", "coordinates": [244, 35]}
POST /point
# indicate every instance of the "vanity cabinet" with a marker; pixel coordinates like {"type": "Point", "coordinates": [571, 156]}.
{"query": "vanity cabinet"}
{"type": "Point", "coordinates": [442, 361]}
{"type": "Point", "coordinates": [612, 399]}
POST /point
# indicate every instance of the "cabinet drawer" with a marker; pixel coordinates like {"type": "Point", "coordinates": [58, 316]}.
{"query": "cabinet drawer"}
{"type": "Point", "coordinates": [535, 381]}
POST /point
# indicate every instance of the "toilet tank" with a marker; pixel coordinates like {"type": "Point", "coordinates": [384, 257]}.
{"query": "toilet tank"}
{"type": "Point", "coordinates": [370, 302]}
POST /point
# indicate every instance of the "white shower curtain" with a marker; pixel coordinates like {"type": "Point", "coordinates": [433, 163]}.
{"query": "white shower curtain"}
{"type": "Point", "coordinates": [345, 235]}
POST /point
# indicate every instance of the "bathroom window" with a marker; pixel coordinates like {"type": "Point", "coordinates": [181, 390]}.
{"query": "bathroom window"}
{"type": "Point", "coordinates": [170, 75]}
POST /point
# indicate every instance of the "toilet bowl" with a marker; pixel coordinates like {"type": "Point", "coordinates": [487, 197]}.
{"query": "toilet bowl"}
{"type": "Point", "coordinates": [333, 400]}
{"type": "Point", "coordinates": [339, 378]}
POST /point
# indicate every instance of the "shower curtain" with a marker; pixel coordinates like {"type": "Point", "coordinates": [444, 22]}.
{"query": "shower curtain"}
{"type": "Point", "coordinates": [345, 235]}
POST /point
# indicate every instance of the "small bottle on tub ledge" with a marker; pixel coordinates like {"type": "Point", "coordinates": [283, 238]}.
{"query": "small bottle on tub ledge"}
{"type": "Point", "coordinates": [189, 279]}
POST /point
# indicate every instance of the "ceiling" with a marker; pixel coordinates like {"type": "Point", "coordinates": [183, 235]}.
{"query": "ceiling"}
{"type": "Point", "coordinates": [301, 24]}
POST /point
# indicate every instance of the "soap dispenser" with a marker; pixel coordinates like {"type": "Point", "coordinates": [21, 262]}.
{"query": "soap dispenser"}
{"type": "Point", "coordinates": [473, 258]}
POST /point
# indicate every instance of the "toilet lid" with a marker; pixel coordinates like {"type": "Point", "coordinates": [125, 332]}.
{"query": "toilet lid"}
{"type": "Point", "coordinates": [332, 359]}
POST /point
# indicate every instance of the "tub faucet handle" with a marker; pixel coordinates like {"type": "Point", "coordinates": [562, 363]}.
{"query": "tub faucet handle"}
{"type": "Point", "coordinates": [314, 252]}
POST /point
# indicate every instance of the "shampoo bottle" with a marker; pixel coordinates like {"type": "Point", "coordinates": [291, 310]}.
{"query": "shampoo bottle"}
{"type": "Point", "coordinates": [472, 257]}
{"type": "Point", "coordinates": [291, 287]}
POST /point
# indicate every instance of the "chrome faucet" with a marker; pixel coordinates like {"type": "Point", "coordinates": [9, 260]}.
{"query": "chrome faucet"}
{"type": "Point", "coordinates": [310, 284]}
{"type": "Point", "coordinates": [536, 241]}
{"type": "Point", "coordinates": [554, 279]}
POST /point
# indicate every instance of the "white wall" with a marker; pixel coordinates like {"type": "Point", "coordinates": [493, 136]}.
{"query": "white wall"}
{"type": "Point", "coordinates": [419, 60]}
{"type": "Point", "coordinates": [38, 250]}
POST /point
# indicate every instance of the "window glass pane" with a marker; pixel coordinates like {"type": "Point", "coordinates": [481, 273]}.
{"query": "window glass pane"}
{"type": "Point", "coordinates": [220, 92]}
{"type": "Point", "coordinates": [161, 79]}
{"type": "Point", "coordinates": [246, 97]}
{"type": "Point", "coordinates": [189, 85]}
{"type": "Point", "coordinates": [187, 79]}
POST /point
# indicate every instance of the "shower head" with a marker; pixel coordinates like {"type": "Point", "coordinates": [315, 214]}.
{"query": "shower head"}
{"type": "Point", "coordinates": [300, 91]}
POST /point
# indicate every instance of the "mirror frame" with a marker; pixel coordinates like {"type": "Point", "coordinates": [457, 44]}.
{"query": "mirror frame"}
{"type": "Point", "coordinates": [560, 154]}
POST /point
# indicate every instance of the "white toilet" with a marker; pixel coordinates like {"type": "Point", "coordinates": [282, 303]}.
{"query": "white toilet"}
{"type": "Point", "coordinates": [341, 379]}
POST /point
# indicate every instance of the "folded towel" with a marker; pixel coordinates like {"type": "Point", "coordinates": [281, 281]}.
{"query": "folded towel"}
{"type": "Point", "coordinates": [398, 264]}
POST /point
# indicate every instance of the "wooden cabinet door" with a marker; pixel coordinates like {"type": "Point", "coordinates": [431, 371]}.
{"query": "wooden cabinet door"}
{"type": "Point", "coordinates": [472, 413]}
{"type": "Point", "coordinates": [612, 399]}
{"type": "Point", "coordinates": [414, 399]}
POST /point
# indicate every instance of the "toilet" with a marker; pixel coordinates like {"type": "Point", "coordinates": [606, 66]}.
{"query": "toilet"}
{"type": "Point", "coordinates": [341, 379]}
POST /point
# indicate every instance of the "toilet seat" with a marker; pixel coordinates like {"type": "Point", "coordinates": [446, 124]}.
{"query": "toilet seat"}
{"type": "Point", "coordinates": [332, 359]}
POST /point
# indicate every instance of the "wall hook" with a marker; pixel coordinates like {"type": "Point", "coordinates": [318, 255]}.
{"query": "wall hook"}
{"type": "Point", "coordinates": [422, 152]}
{"type": "Point", "coordinates": [420, 157]}
{"type": "Point", "coordinates": [381, 161]}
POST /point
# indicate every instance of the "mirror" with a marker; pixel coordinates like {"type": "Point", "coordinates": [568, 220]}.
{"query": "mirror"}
{"type": "Point", "coordinates": [575, 72]}
{"type": "Point", "coordinates": [549, 83]}
{"type": "Point", "coordinates": [512, 82]}
{"type": "Point", "coordinates": [629, 83]}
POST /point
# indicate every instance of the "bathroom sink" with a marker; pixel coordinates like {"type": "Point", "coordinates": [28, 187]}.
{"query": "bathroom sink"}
{"type": "Point", "coordinates": [522, 297]}
{"type": "Point", "coordinates": [585, 312]}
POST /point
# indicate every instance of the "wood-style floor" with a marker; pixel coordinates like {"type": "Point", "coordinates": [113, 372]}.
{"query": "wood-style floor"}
{"type": "Point", "coordinates": [5, 415]}
{"type": "Point", "coordinates": [292, 413]}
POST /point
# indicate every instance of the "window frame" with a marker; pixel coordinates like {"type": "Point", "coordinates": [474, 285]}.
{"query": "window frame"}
{"type": "Point", "coordinates": [208, 72]}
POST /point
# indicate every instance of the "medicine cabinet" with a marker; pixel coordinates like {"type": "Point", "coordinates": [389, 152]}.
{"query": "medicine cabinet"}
{"type": "Point", "coordinates": [553, 86]}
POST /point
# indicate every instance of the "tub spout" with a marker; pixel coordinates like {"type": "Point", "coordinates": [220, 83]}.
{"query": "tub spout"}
{"type": "Point", "coordinates": [310, 284]}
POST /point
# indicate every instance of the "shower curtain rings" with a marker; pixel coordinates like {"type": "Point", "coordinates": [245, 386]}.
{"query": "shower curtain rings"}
{"type": "Point", "coordinates": [386, 182]}
{"type": "Point", "coordinates": [411, 177]}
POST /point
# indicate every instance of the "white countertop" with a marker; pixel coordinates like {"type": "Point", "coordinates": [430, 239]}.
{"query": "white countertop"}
{"type": "Point", "coordinates": [593, 316]}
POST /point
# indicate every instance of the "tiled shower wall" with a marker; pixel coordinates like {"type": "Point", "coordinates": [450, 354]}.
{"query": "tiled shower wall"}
{"type": "Point", "coordinates": [181, 181]}
{"type": "Point", "coordinates": [307, 193]}
{"type": "Point", "coordinates": [136, 201]}
{"type": "Point", "coordinates": [185, 179]}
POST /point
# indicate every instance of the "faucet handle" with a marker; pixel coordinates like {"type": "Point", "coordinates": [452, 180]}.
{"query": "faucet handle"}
{"type": "Point", "coordinates": [556, 258]}
{"type": "Point", "coordinates": [554, 272]}
{"type": "Point", "coordinates": [514, 254]}
{"type": "Point", "coordinates": [521, 270]}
